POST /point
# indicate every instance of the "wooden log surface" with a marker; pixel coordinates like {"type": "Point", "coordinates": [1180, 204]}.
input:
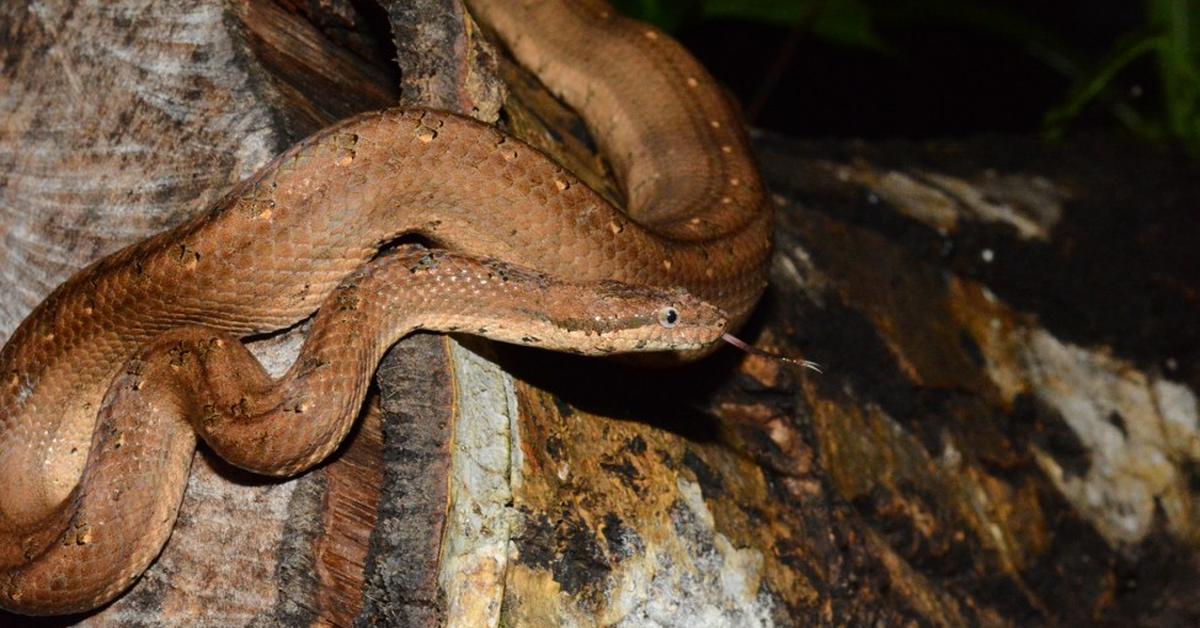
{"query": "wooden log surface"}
{"type": "Point", "coordinates": [1006, 432]}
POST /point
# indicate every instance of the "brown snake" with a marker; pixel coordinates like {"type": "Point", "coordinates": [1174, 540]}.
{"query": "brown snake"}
{"type": "Point", "coordinates": [104, 387]}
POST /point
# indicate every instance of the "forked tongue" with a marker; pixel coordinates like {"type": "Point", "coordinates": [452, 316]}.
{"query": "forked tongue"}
{"type": "Point", "coordinates": [741, 344]}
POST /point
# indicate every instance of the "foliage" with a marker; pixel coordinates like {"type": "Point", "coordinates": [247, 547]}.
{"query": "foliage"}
{"type": "Point", "coordinates": [845, 22]}
{"type": "Point", "coordinates": [1167, 38]}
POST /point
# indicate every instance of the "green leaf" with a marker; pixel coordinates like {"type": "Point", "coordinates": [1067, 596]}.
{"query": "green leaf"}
{"type": "Point", "coordinates": [668, 15]}
{"type": "Point", "coordinates": [844, 22]}
{"type": "Point", "coordinates": [848, 23]}
{"type": "Point", "coordinates": [780, 12]}
{"type": "Point", "coordinates": [1092, 83]}
{"type": "Point", "coordinates": [1177, 63]}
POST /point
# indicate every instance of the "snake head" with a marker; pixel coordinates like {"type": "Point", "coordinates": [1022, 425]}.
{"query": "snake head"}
{"type": "Point", "coordinates": [616, 317]}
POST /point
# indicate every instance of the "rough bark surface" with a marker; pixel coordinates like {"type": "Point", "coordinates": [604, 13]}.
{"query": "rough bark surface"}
{"type": "Point", "coordinates": [1006, 432]}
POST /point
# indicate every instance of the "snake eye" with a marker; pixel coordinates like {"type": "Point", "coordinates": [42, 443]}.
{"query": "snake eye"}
{"type": "Point", "coordinates": [667, 317]}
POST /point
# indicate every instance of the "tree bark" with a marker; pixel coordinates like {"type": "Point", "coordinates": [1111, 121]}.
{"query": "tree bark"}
{"type": "Point", "coordinates": [1006, 431]}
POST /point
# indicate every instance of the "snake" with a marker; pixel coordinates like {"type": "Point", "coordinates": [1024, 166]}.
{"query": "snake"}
{"type": "Point", "coordinates": [382, 224]}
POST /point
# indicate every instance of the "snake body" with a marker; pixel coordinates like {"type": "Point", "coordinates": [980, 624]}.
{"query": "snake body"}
{"type": "Point", "coordinates": [106, 383]}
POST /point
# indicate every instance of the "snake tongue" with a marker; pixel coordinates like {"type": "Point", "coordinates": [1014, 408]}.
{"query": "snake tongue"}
{"type": "Point", "coordinates": [744, 346]}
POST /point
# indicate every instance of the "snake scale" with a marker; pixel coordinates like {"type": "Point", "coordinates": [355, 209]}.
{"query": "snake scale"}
{"type": "Point", "coordinates": [107, 383]}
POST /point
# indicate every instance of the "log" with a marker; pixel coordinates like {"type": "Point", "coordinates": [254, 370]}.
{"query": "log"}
{"type": "Point", "coordinates": [1006, 431]}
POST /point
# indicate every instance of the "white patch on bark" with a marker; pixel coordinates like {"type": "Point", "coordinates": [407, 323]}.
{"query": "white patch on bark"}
{"type": "Point", "coordinates": [693, 578]}
{"type": "Point", "coordinates": [475, 545]}
{"type": "Point", "coordinates": [1138, 431]}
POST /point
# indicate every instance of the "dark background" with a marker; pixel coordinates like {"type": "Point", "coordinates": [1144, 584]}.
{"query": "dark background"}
{"type": "Point", "coordinates": [935, 68]}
